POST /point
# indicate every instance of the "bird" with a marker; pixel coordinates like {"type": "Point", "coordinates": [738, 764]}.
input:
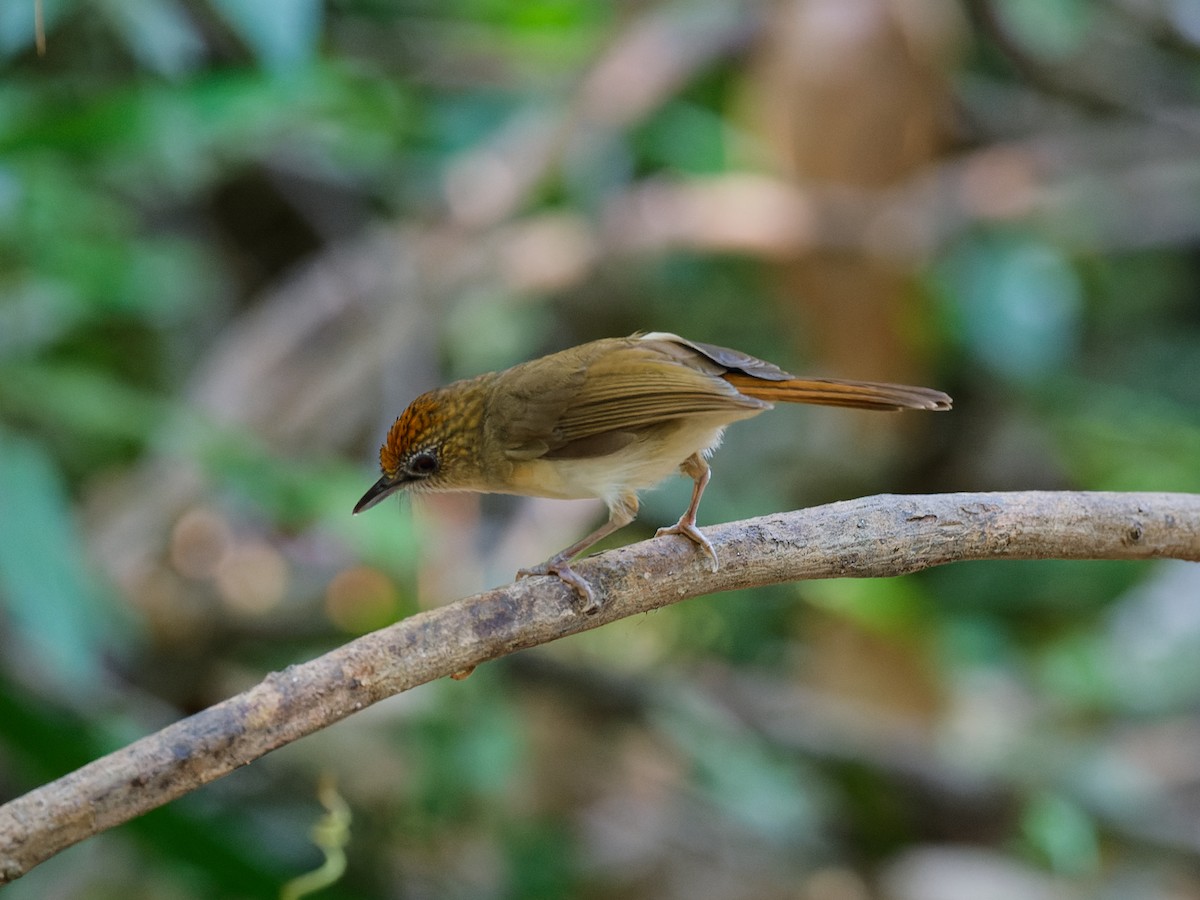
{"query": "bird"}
{"type": "Point", "coordinates": [605, 420]}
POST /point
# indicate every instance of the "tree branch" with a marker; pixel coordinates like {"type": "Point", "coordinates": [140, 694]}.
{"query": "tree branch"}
{"type": "Point", "coordinates": [871, 537]}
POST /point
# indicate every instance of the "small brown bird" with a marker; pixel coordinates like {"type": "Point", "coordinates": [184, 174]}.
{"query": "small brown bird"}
{"type": "Point", "coordinates": [603, 420]}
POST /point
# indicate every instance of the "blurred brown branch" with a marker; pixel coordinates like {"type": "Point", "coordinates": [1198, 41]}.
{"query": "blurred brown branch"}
{"type": "Point", "coordinates": [878, 536]}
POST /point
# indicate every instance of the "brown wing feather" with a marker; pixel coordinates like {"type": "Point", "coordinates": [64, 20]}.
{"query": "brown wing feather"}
{"type": "Point", "coordinates": [835, 392]}
{"type": "Point", "coordinates": [636, 389]}
{"type": "Point", "coordinates": [728, 360]}
{"type": "Point", "coordinates": [606, 393]}
{"type": "Point", "coordinates": [758, 378]}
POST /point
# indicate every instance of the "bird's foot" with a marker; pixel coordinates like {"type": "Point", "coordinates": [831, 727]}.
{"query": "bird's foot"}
{"type": "Point", "coordinates": [562, 570]}
{"type": "Point", "coordinates": [689, 530]}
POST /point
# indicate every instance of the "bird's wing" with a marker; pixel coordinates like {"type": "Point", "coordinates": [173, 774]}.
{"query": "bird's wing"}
{"type": "Point", "coordinates": [607, 394]}
{"type": "Point", "coordinates": [766, 381]}
{"type": "Point", "coordinates": [722, 358]}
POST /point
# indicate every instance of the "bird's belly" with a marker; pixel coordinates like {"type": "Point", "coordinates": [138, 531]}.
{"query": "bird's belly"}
{"type": "Point", "coordinates": [639, 465]}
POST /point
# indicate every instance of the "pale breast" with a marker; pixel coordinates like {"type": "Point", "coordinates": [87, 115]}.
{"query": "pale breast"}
{"type": "Point", "coordinates": [637, 466]}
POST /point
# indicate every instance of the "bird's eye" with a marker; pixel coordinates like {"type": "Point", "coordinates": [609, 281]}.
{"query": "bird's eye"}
{"type": "Point", "coordinates": [423, 464]}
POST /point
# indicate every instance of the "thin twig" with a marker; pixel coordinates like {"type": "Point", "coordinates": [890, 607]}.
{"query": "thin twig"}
{"type": "Point", "coordinates": [872, 537]}
{"type": "Point", "coordinates": [39, 27]}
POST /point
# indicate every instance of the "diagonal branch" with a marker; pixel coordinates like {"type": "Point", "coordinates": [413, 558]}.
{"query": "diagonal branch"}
{"type": "Point", "coordinates": [872, 537]}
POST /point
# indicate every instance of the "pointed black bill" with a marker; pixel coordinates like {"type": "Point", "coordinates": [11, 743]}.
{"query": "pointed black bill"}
{"type": "Point", "coordinates": [378, 491]}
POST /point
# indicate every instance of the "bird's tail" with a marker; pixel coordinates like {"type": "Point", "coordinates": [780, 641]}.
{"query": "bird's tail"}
{"type": "Point", "coordinates": [834, 392]}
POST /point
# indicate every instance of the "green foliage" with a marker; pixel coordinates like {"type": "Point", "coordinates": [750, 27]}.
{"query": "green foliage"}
{"type": "Point", "coordinates": [48, 595]}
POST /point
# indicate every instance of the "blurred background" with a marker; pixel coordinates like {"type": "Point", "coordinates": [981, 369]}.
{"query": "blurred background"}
{"type": "Point", "coordinates": [237, 237]}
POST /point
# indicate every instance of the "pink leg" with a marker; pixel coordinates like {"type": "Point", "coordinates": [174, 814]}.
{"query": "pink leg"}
{"type": "Point", "coordinates": [620, 513]}
{"type": "Point", "coordinates": [697, 469]}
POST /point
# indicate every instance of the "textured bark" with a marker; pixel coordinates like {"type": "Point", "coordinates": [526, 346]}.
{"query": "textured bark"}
{"type": "Point", "coordinates": [871, 537]}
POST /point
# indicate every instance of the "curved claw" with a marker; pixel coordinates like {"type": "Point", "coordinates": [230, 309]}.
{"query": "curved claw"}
{"type": "Point", "coordinates": [569, 577]}
{"type": "Point", "coordinates": [692, 533]}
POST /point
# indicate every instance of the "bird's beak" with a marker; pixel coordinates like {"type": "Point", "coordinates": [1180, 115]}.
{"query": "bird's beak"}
{"type": "Point", "coordinates": [378, 491]}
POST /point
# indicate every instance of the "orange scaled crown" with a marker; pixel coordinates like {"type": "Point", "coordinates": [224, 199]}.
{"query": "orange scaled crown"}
{"type": "Point", "coordinates": [417, 427]}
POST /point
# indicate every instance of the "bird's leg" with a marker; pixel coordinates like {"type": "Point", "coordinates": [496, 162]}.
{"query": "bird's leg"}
{"type": "Point", "coordinates": [620, 513]}
{"type": "Point", "coordinates": [697, 469]}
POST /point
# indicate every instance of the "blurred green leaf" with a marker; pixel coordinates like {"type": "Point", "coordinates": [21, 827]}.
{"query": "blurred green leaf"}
{"type": "Point", "coordinates": [1054, 29]}
{"type": "Point", "coordinates": [45, 586]}
{"type": "Point", "coordinates": [742, 774]}
{"type": "Point", "coordinates": [158, 32]}
{"type": "Point", "coordinates": [282, 33]}
{"type": "Point", "coordinates": [1063, 834]}
{"type": "Point", "coordinates": [79, 401]}
{"type": "Point", "coordinates": [1078, 670]}
{"type": "Point", "coordinates": [462, 752]}
{"type": "Point", "coordinates": [1116, 439]}
{"type": "Point", "coordinates": [883, 604]}
{"type": "Point", "coordinates": [686, 138]}
{"type": "Point", "coordinates": [543, 863]}
{"type": "Point", "coordinates": [1015, 303]}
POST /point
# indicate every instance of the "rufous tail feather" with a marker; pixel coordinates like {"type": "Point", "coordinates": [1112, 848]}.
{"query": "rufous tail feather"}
{"type": "Point", "coordinates": [834, 392]}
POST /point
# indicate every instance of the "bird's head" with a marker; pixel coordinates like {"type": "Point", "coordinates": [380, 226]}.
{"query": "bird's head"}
{"type": "Point", "coordinates": [428, 448]}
